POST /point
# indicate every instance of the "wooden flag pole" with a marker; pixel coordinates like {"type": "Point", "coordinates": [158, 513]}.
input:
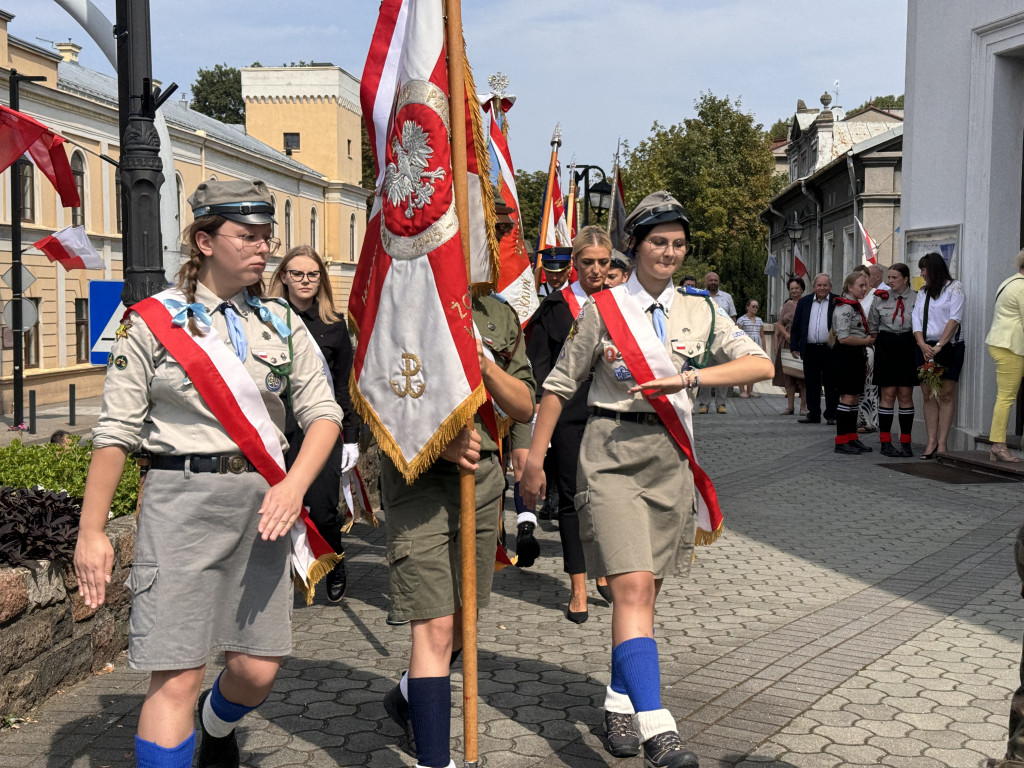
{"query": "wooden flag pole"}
{"type": "Point", "coordinates": [556, 142]}
{"type": "Point", "coordinates": [467, 480]}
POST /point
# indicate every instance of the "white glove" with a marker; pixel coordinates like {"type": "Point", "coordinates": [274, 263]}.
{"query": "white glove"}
{"type": "Point", "coordinates": [349, 456]}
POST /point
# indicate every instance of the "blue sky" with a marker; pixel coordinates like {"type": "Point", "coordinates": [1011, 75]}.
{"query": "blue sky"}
{"type": "Point", "coordinates": [604, 68]}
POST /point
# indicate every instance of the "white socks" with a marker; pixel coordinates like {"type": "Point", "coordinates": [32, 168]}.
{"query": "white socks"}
{"type": "Point", "coordinates": [617, 702]}
{"type": "Point", "coordinates": [654, 722]}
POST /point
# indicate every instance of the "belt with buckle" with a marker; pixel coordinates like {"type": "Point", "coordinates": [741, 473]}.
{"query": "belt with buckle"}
{"type": "Point", "coordinates": [222, 464]}
{"type": "Point", "coordinates": [635, 417]}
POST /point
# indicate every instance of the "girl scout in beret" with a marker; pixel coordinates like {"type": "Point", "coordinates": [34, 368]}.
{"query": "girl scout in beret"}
{"type": "Point", "coordinates": [637, 473]}
{"type": "Point", "coordinates": [211, 565]}
{"type": "Point", "coordinates": [849, 359]}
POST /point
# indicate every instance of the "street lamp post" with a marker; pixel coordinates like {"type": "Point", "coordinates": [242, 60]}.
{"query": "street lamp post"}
{"type": "Point", "coordinates": [583, 173]}
{"type": "Point", "coordinates": [141, 169]}
{"type": "Point", "coordinates": [601, 197]}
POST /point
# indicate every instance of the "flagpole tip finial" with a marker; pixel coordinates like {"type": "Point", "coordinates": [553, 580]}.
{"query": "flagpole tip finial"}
{"type": "Point", "coordinates": [499, 84]}
{"type": "Point", "coordinates": [556, 137]}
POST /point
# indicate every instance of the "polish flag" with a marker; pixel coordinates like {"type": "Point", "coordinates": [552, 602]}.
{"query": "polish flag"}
{"type": "Point", "coordinates": [19, 134]}
{"type": "Point", "coordinates": [71, 248]}
{"type": "Point", "coordinates": [870, 249]}
{"type": "Point", "coordinates": [798, 265]}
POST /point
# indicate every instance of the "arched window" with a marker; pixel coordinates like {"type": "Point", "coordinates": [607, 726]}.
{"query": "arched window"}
{"type": "Point", "coordinates": [312, 229]}
{"type": "Point", "coordinates": [273, 227]}
{"type": "Point", "coordinates": [179, 185]}
{"type": "Point", "coordinates": [27, 177]}
{"type": "Point", "coordinates": [78, 172]}
{"type": "Point", "coordinates": [352, 238]}
{"type": "Point", "coordinates": [287, 225]}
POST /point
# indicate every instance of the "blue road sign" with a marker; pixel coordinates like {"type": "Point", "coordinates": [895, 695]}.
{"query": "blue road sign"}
{"type": "Point", "coordinates": [105, 312]}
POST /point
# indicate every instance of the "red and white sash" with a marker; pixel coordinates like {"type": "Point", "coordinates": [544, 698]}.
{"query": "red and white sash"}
{"type": "Point", "coordinates": [647, 359]}
{"type": "Point", "coordinates": [234, 399]}
{"type": "Point", "coordinates": [575, 297]}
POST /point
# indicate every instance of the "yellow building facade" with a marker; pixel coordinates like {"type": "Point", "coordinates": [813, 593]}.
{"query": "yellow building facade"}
{"type": "Point", "coordinates": [320, 205]}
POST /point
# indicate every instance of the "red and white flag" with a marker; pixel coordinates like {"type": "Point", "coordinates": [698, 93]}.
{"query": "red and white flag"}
{"type": "Point", "coordinates": [19, 134]}
{"type": "Point", "coordinates": [515, 276]}
{"type": "Point", "coordinates": [798, 265]}
{"type": "Point", "coordinates": [870, 249]}
{"type": "Point", "coordinates": [415, 377]}
{"type": "Point", "coordinates": [71, 248]}
{"type": "Point", "coordinates": [557, 231]}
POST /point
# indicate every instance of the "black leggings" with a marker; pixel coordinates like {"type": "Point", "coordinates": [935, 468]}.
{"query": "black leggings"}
{"type": "Point", "coordinates": [324, 494]}
{"type": "Point", "coordinates": [565, 449]}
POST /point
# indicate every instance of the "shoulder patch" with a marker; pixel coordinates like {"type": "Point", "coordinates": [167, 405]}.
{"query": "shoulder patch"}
{"type": "Point", "coordinates": [688, 290]}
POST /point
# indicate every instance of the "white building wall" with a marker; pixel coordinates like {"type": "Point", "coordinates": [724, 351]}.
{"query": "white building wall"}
{"type": "Point", "coordinates": [962, 154]}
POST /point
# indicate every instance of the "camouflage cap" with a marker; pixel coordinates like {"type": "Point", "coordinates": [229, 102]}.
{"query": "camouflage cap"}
{"type": "Point", "coordinates": [247, 202]}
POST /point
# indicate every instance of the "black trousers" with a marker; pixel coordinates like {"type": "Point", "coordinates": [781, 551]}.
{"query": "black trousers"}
{"type": "Point", "coordinates": [818, 374]}
{"type": "Point", "coordinates": [324, 494]}
{"type": "Point", "coordinates": [565, 450]}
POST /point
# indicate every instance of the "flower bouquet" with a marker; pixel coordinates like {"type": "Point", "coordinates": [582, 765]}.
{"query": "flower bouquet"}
{"type": "Point", "coordinates": [930, 375]}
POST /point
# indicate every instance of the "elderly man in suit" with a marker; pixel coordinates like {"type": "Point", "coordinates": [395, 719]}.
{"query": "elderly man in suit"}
{"type": "Point", "coordinates": [812, 322]}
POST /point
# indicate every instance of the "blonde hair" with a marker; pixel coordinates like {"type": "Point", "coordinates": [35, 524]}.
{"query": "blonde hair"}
{"type": "Point", "coordinates": [188, 273]}
{"type": "Point", "coordinates": [852, 278]}
{"type": "Point", "coordinates": [588, 236]}
{"type": "Point", "coordinates": [324, 294]}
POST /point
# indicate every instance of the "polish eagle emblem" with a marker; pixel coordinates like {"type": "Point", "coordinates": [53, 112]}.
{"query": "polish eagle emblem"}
{"type": "Point", "coordinates": [407, 180]}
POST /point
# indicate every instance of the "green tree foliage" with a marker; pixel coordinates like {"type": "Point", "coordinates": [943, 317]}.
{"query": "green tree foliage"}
{"type": "Point", "coordinates": [879, 102]}
{"type": "Point", "coordinates": [530, 188]}
{"type": "Point", "coordinates": [780, 128]}
{"type": "Point", "coordinates": [719, 166]}
{"type": "Point", "coordinates": [217, 92]}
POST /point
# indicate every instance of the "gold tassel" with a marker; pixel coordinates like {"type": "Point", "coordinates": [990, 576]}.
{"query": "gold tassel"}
{"type": "Point", "coordinates": [483, 162]}
{"type": "Point", "coordinates": [317, 571]}
{"type": "Point", "coordinates": [704, 538]}
{"type": "Point", "coordinates": [436, 445]}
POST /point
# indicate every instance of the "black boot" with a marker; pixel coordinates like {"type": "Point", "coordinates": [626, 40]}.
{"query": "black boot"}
{"type": "Point", "coordinates": [335, 582]}
{"type": "Point", "coordinates": [215, 752]}
{"type": "Point", "coordinates": [527, 547]}
{"type": "Point", "coordinates": [398, 710]}
{"type": "Point", "coordinates": [890, 450]}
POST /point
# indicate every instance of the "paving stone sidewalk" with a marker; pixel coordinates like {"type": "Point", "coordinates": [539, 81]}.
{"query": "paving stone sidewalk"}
{"type": "Point", "coordinates": [850, 615]}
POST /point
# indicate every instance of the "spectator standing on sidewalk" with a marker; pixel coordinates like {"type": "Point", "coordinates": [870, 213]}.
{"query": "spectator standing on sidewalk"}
{"type": "Point", "coordinates": [812, 323]}
{"type": "Point", "coordinates": [784, 332]}
{"type": "Point", "coordinates": [753, 326]}
{"type": "Point", "coordinates": [867, 412]}
{"type": "Point", "coordinates": [1005, 342]}
{"type": "Point", "coordinates": [716, 396]}
{"type": "Point", "coordinates": [895, 373]}
{"type": "Point", "coordinates": [852, 336]}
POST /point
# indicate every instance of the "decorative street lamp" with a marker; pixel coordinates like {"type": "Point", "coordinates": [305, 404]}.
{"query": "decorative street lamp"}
{"type": "Point", "coordinates": [583, 174]}
{"type": "Point", "coordinates": [795, 229]}
{"type": "Point", "coordinates": [601, 197]}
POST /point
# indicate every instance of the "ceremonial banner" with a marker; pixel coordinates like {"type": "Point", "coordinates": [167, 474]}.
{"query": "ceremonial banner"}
{"type": "Point", "coordinates": [515, 276]}
{"type": "Point", "coordinates": [416, 377]}
{"type": "Point", "coordinates": [617, 214]}
{"type": "Point", "coordinates": [870, 250]}
{"type": "Point", "coordinates": [798, 265]}
{"type": "Point", "coordinates": [19, 134]}
{"type": "Point", "coordinates": [71, 248]}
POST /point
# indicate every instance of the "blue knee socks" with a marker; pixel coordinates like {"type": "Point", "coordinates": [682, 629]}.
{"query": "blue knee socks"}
{"type": "Point", "coordinates": [635, 663]}
{"type": "Point", "coordinates": [148, 754]}
{"type": "Point", "coordinates": [220, 715]}
{"type": "Point", "coordinates": [618, 683]}
{"type": "Point", "coordinates": [430, 710]}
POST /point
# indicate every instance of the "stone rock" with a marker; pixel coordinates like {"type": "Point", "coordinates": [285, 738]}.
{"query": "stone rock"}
{"type": "Point", "coordinates": [45, 584]}
{"type": "Point", "coordinates": [106, 643]}
{"type": "Point", "coordinates": [30, 637]}
{"type": "Point", "coordinates": [122, 536]}
{"type": "Point", "coordinates": [13, 594]}
{"type": "Point", "coordinates": [68, 574]}
{"type": "Point", "coordinates": [79, 610]}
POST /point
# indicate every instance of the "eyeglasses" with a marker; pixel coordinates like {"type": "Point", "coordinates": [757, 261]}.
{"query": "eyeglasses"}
{"type": "Point", "coordinates": [296, 275]}
{"type": "Point", "coordinates": [660, 244]}
{"type": "Point", "coordinates": [252, 243]}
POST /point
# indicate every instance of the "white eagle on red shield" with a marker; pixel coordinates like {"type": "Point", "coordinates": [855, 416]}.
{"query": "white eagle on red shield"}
{"type": "Point", "coordinates": [408, 180]}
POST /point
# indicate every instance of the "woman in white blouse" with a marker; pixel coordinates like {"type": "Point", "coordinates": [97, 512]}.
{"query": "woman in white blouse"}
{"type": "Point", "coordinates": [938, 312]}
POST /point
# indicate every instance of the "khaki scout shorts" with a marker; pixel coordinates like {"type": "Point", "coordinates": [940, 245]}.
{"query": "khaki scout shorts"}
{"type": "Point", "coordinates": [635, 498]}
{"type": "Point", "coordinates": [422, 524]}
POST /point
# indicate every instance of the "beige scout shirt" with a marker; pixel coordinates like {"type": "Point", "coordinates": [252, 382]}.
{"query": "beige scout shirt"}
{"type": "Point", "coordinates": [149, 403]}
{"type": "Point", "coordinates": [689, 322]}
{"type": "Point", "coordinates": [884, 314]}
{"type": "Point", "coordinates": [848, 321]}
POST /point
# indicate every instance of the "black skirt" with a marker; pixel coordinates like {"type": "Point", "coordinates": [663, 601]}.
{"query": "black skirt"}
{"type": "Point", "coordinates": [849, 366]}
{"type": "Point", "coordinates": [895, 364]}
{"type": "Point", "coordinates": [950, 357]}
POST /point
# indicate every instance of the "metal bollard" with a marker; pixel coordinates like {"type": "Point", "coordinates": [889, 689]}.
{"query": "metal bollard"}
{"type": "Point", "coordinates": [71, 405]}
{"type": "Point", "coordinates": [31, 411]}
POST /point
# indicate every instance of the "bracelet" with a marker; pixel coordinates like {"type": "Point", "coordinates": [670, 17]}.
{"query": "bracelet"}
{"type": "Point", "coordinates": [693, 384]}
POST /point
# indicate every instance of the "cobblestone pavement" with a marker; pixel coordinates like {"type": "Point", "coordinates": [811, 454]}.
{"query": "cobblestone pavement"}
{"type": "Point", "coordinates": [850, 615]}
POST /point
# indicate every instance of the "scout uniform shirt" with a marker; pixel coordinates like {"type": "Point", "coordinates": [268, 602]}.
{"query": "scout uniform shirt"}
{"type": "Point", "coordinates": [696, 335]}
{"type": "Point", "coordinates": [848, 320]}
{"type": "Point", "coordinates": [149, 403]}
{"type": "Point", "coordinates": [893, 313]}
{"type": "Point", "coordinates": [498, 326]}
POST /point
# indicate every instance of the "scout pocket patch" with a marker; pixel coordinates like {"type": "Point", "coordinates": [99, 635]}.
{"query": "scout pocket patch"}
{"type": "Point", "coordinates": [611, 354]}
{"type": "Point", "coordinates": [688, 347]}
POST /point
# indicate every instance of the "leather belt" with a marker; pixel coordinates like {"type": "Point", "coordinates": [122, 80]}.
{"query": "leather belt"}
{"type": "Point", "coordinates": [634, 417]}
{"type": "Point", "coordinates": [222, 464]}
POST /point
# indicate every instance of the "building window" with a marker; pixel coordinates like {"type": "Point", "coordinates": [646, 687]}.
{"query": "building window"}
{"type": "Point", "coordinates": [28, 190]}
{"type": "Point", "coordinates": [352, 238]}
{"type": "Point", "coordinates": [350, 147]}
{"type": "Point", "coordinates": [312, 229]}
{"type": "Point", "coordinates": [287, 225]}
{"type": "Point", "coordinates": [117, 199]}
{"type": "Point", "coordinates": [30, 340]}
{"type": "Point", "coordinates": [291, 142]}
{"type": "Point", "coordinates": [78, 172]}
{"type": "Point", "coordinates": [180, 190]}
{"type": "Point", "coordinates": [82, 330]}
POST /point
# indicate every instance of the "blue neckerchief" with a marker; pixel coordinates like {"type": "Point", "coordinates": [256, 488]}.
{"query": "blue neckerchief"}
{"type": "Point", "coordinates": [689, 290]}
{"type": "Point", "coordinates": [183, 311]}
{"type": "Point", "coordinates": [658, 315]}
{"type": "Point", "coordinates": [267, 316]}
{"type": "Point", "coordinates": [236, 332]}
